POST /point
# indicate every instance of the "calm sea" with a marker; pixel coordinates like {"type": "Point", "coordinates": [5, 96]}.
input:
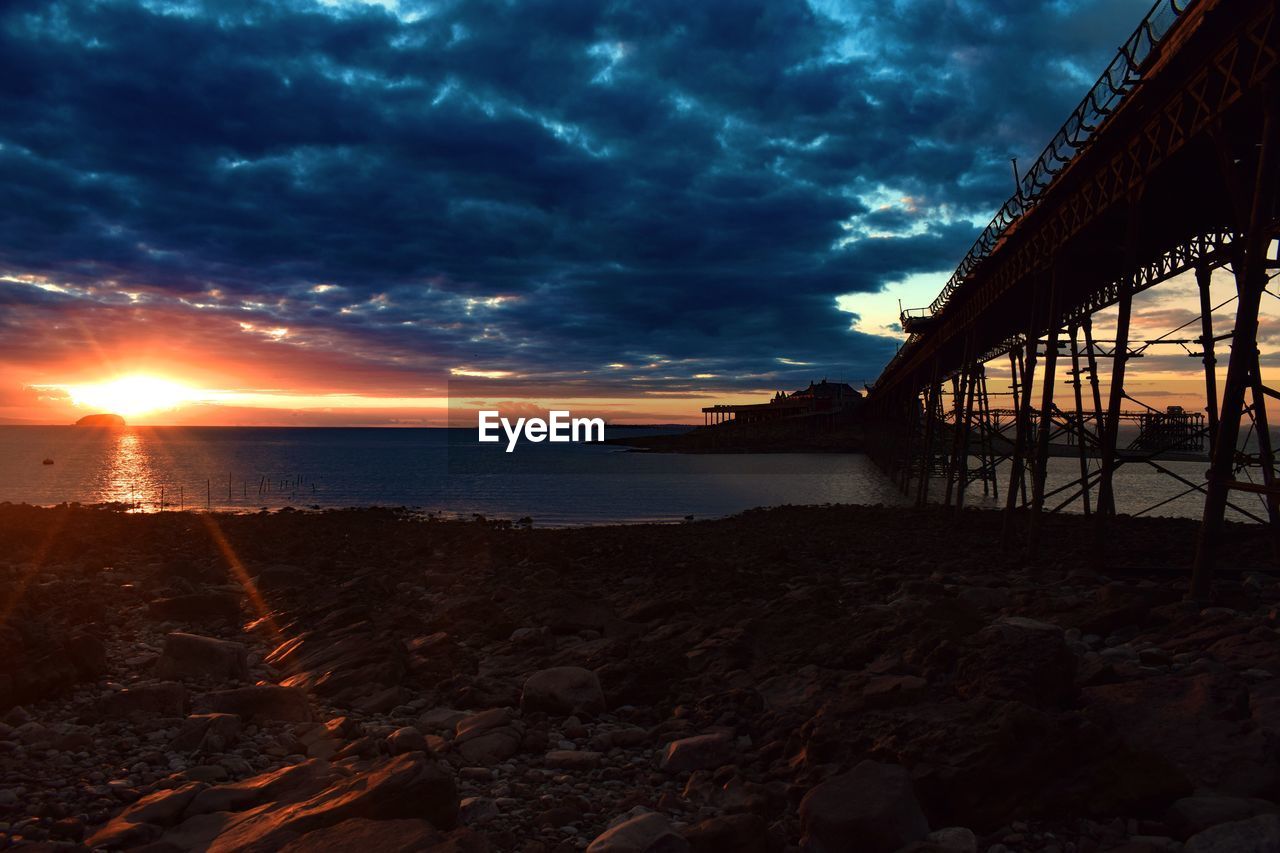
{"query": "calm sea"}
{"type": "Point", "coordinates": [445, 471]}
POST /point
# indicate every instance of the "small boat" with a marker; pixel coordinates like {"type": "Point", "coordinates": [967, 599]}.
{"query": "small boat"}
{"type": "Point", "coordinates": [47, 462]}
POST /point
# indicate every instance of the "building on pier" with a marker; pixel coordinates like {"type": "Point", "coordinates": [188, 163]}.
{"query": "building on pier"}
{"type": "Point", "coordinates": [820, 398]}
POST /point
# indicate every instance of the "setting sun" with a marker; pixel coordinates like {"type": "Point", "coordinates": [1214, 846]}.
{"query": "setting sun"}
{"type": "Point", "coordinates": [131, 395]}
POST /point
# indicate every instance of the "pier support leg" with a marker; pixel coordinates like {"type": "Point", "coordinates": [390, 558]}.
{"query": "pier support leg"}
{"type": "Point", "coordinates": [1091, 355]}
{"type": "Point", "coordinates": [1041, 469]}
{"type": "Point", "coordinates": [1022, 436]}
{"type": "Point", "coordinates": [926, 450]}
{"type": "Point", "coordinates": [990, 484]}
{"type": "Point", "coordinates": [1115, 397]}
{"type": "Point", "coordinates": [1251, 280]}
{"type": "Point", "coordinates": [1203, 276]}
{"type": "Point", "coordinates": [958, 465]}
{"type": "Point", "coordinates": [965, 437]}
{"type": "Point", "coordinates": [1081, 436]}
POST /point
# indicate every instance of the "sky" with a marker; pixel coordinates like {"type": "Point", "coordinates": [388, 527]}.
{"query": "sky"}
{"type": "Point", "coordinates": [324, 213]}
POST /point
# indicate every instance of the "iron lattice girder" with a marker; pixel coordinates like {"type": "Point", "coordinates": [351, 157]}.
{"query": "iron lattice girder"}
{"type": "Point", "coordinates": [1207, 249]}
{"type": "Point", "coordinates": [1222, 53]}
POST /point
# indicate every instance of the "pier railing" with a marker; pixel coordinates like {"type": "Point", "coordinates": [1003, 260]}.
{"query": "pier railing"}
{"type": "Point", "coordinates": [1102, 100]}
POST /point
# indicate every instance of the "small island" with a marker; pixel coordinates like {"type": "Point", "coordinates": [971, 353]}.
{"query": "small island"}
{"type": "Point", "coordinates": [101, 421]}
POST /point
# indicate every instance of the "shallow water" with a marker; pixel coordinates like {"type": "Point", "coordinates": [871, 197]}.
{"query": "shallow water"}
{"type": "Point", "coordinates": [437, 470]}
{"type": "Point", "coordinates": [246, 468]}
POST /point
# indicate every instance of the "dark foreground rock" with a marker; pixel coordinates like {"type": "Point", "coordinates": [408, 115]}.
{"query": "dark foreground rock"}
{"type": "Point", "coordinates": [822, 679]}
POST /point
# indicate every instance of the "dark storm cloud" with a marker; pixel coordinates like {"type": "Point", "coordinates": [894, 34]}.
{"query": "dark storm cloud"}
{"type": "Point", "coordinates": [689, 184]}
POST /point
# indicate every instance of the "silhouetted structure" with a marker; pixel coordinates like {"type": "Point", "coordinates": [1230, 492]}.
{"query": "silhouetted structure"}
{"type": "Point", "coordinates": [1168, 165]}
{"type": "Point", "coordinates": [820, 398]}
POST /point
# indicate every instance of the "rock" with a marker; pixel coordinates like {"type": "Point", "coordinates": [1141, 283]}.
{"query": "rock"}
{"type": "Point", "coordinates": [441, 718]}
{"type": "Point", "coordinates": [358, 667]}
{"type": "Point", "coordinates": [143, 821]}
{"type": "Point", "coordinates": [282, 577]}
{"type": "Point", "coordinates": [646, 833]}
{"type": "Point", "coordinates": [197, 607]}
{"type": "Point", "coordinates": [629, 737]}
{"type": "Point", "coordinates": [559, 816]}
{"type": "Point", "coordinates": [372, 836]}
{"type": "Point", "coordinates": [738, 833]}
{"type": "Point", "coordinates": [1019, 659]}
{"type": "Point", "coordinates": [1190, 815]}
{"type": "Point", "coordinates": [37, 678]}
{"type": "Point", "coordinates": [207, 773]}
{"type": "Point", "coordinates": [74, 741]}
{"type": "Point", "coordinates": [407, 739]}
{"type": "Point", "coordinates": [260, 702]}
{"type": "Point", "coordinates": [572, 759]}
{"type": "Point", "coordinates": [265, 814]}
{"type": "Point", "coordinates": [477, 811]}
{"type": "Point", "coordinates": [563, 690]}
{"type": "Point", "coordinates": [475, 724]}
{"type": "Point", "coordinates": [872, 808]}
{"type": "Point", "coordinates": [953, 839]}
{"type": "Point", "coordinates": [209, 732]}
{"type": "Point", "coordinates": [888, 691]}
{"type": "Point", "coordinates": [1256, 835]}
{"type": "Point", "coordinates": [286, 785]}
{"type": "Point", "coordinates": [88, 655]}
{"type": "Point", "coordinates": [377, 702]}
{"type": "Point", "coordinates": [69, 828]}
{"type": "Point", "coordinates": [33, 733]}
{"type": "Point", "coordinates": [489, 737]}
{"type": "Point", "coordinates": [701, 752]}
{"type": "Point", "coordinates": [165, 699]}
{"type": "Point", "coordinates": [193, 656]}
{"type": "Point", "coordinates": [490, 747]}
{"type": "Point", "coordinates": [1199, 723]}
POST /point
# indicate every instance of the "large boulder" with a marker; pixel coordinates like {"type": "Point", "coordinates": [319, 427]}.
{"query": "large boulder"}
{"type": "Point", "coordinates": [1191, 815]}
{"type": "Point", "coordinates": [563, 690]}
{"type": "Point", "coordinates": [142, 821]}
{"type": "Point", "coordinates": [1256, 835]}
{"type": "Point", "coordinates": [870, 809]}
{"type": "Point", "coordinates": [700, 752]}
{"type": "Point", "coordinates": [362, 668]}
{"type": "Point", "coordinates": [1199, 723]}
{"type": "Point", "coordinates": [165, 699]}
{"type": "Point", "coordinates": [1019, 659]}
{"type": "Point", "coordinates": [292, 805]}
{"type": "Point", "coordinates": [193, 656]}
{"type": "Point", "coordinates": [489, 737]}
{"type": "Point", "coordinates": [287, 785]}
{"type": "Point", "coordinates": [408, 786]}
{"type": "Point", "coordinates": [88, 655]}
{"type": "Point", "coordinates": [260, 702]}
{"type": "Point", "coordinates": [735, 833]}
{"type": "Point", "coordinates": [209, 732]}
{"type": "Point", "coordinates": [646, 833]}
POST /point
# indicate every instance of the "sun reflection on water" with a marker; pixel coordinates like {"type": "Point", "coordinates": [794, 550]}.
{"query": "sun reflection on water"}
{"type": "Point", "coordinates": [130, 477]}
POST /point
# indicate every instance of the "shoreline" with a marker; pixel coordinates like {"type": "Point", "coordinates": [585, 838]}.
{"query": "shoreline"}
{"type": "Point", "coordinates": [494, 687]}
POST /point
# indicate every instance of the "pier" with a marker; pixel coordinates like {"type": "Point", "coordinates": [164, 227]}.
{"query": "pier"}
{"type": "Point", "coordinates": [1167, 167]}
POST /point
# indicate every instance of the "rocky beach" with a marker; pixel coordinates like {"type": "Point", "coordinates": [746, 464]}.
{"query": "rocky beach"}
{"type": "Point", "coordinates": [822, 678]}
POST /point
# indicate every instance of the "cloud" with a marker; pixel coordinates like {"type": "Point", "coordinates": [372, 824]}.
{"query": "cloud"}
{"type": "Point", "coordinates": [534, 188]}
